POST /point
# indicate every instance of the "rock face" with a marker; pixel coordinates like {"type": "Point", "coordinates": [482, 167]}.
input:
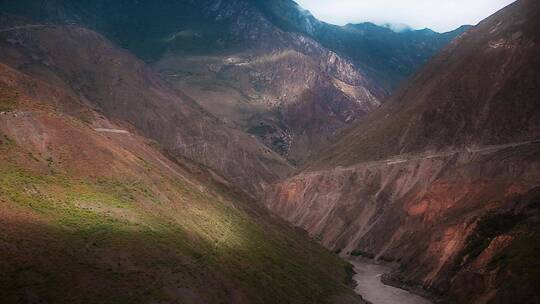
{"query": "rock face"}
{"type": "Point", "coordinates": [426, 214]}
{"type": "Point", "coordinates": [283, 87]}
{"type": "Point", "coordinates": [444, 177]}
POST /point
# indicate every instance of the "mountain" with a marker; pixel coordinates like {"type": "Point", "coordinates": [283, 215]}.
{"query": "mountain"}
{"type": "Point", "coordinates": [92, 211]}
{"type": "Point", "coordinates": [444, 177]}
{"type": "Point", "coordinates": [282, 87]}
{"type": "Point", "coordinates": [386, 56]}
{"type": "Point", "coordinates": [481, 90]}
{"type": "Point", "coordinates": [137, 138]}
{"type": "Point", "coordinates": [257, 65]}
{"type": "Point", "coordinates": [120, 86]}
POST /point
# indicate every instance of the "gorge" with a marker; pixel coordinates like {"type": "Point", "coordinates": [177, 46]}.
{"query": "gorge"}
{"type": "Point", "coordinates": [242, 151]}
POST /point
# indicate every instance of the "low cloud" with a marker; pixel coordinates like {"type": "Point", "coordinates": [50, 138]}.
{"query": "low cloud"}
{"type": "Point", "coordinates": [439, 15]}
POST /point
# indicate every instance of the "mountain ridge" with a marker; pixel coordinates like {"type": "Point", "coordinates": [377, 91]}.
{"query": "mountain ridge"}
{"type": "Point", "coordinates": [380, 58]}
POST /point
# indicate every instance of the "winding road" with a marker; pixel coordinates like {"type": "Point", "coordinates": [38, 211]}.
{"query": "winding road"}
{"type": "Point", "coordinates": [404, 158]}
{"type": "Point", "coordinates": [103, 130]}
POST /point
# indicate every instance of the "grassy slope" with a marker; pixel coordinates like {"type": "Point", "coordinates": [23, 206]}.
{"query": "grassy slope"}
{"type": "Point", "coordinates": [138, 233]}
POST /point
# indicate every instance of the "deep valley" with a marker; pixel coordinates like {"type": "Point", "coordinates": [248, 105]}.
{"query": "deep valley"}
{"type": "Point", "coordinates": [244, 151]}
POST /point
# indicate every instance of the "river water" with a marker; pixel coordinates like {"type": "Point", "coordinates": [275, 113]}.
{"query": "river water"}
{"type": "Point", "coordinates": [370, 287]}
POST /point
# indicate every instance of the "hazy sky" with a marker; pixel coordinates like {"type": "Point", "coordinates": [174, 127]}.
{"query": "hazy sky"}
{"type": "Point", "coordinates": [439, 15]}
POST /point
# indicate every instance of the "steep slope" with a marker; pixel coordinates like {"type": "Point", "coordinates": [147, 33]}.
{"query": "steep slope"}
{"type": "Point", "coordinates": [481, 90]}
{"type": "Point", "coordinates": [443, 178]}
{"type": "Point", "coordinates": [282, 87]}
{"type": "Point", "coordinates": [91, 212]}
{"type": "Point", "coordinates": [450, 221]}
{"type": "Point", "coordinates": [121, 86]}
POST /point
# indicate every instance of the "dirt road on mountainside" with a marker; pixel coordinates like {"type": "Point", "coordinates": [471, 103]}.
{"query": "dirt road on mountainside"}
{"type": "Point", "coordinates": [22, 27]}
{"type": "Point", "coordinates": [404, 158]}
{"type": "Point", "coordinates": [103, 130]}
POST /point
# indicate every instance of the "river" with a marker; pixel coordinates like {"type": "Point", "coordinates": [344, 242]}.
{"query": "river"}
{"type": "Point", "coordinates": [370, 287]}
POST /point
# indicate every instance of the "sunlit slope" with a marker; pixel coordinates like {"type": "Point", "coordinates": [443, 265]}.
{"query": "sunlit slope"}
{"type": "Point", "coordinates": [105, 217]}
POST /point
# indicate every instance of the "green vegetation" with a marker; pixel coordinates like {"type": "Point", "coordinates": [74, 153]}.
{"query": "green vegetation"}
{"type": "Point", "coordinates": [261, 130]}
{"type": "Point", "coordinates": [521, 263]}
{"type": "Point", "coordinates": [487, 228]}
{"type": "Point", "coordinates": [8, 98]}
{"type": "Point", "coordinates": [278, 144]}
{"type": "Point", "coordinates": [84, 117]}
{"type": "Point", "coordinates": [349, 280]}
{"type": "Point", "coordinates": [5, 140]}
{"type": "Point", "coordinates": [193, 237]}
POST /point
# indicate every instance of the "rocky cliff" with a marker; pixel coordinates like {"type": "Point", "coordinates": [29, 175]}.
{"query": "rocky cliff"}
{"type": "Point", "coordinates": [444, 177]}
{"type": "Point", "coordinates": [429, 214]}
